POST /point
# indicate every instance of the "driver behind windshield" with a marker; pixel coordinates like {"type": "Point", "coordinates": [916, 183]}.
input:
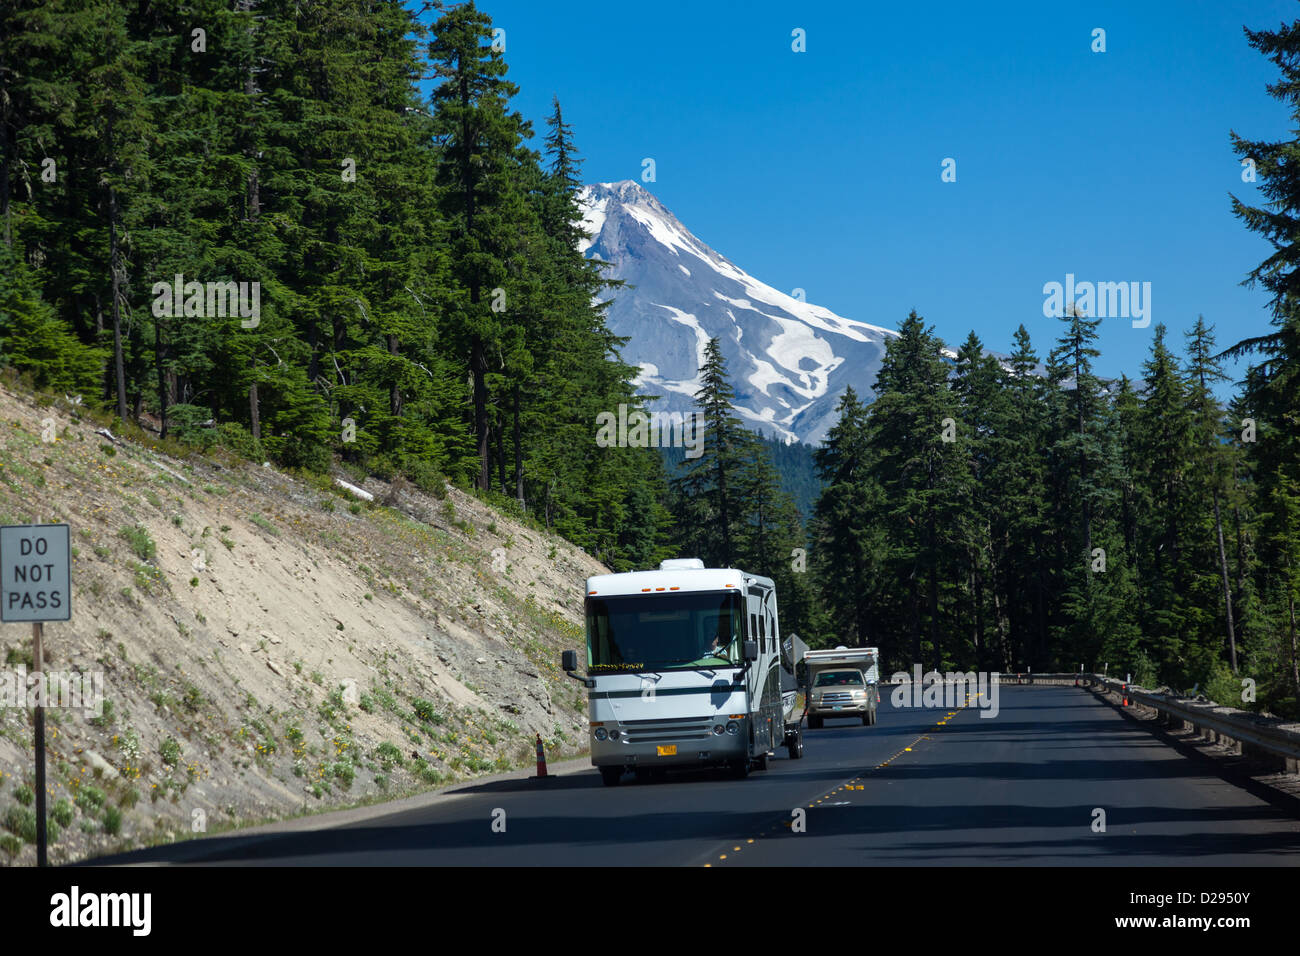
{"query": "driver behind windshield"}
{"type": "Point", "coordinates": [721, 640]}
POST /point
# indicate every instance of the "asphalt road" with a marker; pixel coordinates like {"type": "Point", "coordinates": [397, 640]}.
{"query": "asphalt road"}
{"type": "Point", "coordinates": [919, 788]}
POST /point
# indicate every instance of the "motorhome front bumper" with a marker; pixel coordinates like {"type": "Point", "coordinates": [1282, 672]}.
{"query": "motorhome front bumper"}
{"type": "Point", "coordinates": [674, 742]}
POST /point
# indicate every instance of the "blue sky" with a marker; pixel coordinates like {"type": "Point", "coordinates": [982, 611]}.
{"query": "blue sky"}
{"type": "Point", "coordinates": [821, 170]}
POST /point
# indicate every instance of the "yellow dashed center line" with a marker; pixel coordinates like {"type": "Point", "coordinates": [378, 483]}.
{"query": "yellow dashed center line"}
{"type": "Point", "coordinates": [853, 784]}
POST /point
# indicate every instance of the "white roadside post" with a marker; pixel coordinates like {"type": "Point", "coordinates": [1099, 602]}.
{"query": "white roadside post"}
{"type": "Point", "coordinates": [35, 585]}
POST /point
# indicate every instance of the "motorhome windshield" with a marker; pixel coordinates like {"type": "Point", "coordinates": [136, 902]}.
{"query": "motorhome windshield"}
{"type": "Point", "coordinates": [676, 631]}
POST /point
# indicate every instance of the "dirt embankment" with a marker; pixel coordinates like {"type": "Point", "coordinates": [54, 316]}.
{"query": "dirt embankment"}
{"type": "Point", "coordinates": [269, 644]}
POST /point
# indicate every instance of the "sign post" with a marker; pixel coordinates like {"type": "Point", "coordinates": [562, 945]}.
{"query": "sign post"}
{"type": "Point", "coordinates": [38, 720]}
{"type": "Point", "coordinates": [35, 585]}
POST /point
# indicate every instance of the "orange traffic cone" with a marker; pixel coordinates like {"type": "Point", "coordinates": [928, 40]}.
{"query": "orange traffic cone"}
{"type": "Point", "coordinates": [1125, 688]}
{"type": "Point", "coordinates": [541, 758]}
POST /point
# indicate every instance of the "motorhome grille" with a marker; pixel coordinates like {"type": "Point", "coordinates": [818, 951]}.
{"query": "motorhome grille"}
{"type": "Point", "coordinates": [678, 728]}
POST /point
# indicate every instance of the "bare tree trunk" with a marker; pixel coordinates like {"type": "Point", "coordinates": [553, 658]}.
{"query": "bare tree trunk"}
{"type": "Point", "coordinates": [916, 617]}
{"type": "Point", "coordinates": [119, 366]}
{"type": "Point", "coordinates": [1295, 663]}
{"type": "Point", "coordinates": [162, 377]}
{"type": "Point", "coordinates": [7, 151]}
{"type": "Point", "coordinates": [979, 617]}
{"type": "Point", "coordinates": [1241, 553]}
{"type": "Point", "coordinates": [395, 398]}
{"type": "Point", "coordinates": [478, 368]}
{"type": "Point", "coordinates": [501, 457]}
{"type": "Point", "coordinates": [253, 415]}
{"type": "Point", "coordinates": [253, 211]}
{"type": "Point", "coordinates": [1227, 590]}
{"type": "Point", "coordinates": [933, 593]}
{"type": "Point", "coordinates": [519, 457]}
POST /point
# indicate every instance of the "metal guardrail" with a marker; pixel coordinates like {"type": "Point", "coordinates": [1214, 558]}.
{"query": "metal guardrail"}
{"type": "Point", "coordinates": [1269, 738]}
{"type": "Point", "coordinates": [1006, 678]}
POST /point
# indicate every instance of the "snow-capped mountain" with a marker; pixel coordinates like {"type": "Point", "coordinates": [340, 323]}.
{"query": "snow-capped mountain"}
{"type": "Point", "coordinates": [788, 360]}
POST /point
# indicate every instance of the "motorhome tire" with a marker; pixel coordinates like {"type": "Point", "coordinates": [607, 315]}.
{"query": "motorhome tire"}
{"type": "Point", "coordinates": [610, 776]}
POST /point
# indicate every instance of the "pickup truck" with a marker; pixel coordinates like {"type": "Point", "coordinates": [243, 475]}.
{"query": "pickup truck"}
{"type": "Point", "coordinates": [842, 683]}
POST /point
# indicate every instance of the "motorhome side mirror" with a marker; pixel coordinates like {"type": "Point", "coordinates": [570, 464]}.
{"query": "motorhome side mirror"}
{"type": "Point", "coordinates": [569, 660]}
{"type": "Point", "coordinates": [751, 650]}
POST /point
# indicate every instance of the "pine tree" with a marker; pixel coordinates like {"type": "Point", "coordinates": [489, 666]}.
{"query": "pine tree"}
{"type": "Point", "coordinates": [1272, 388]}
{"type": "Point", "coordinates": [709, 504]}
{"type": "Point", "coordinates": [479, 137]}
{"type": "Point", "coordinates": [1210, 461]}
{"type": "Point", "coordinates": [849, 547]}
{"type": "Point", "coordinates": [984, 416]}
{"type": "Point", "coordinates": [1164, 435]}
{"type": "Point", "coordinates": [1026, 583]}
{"type": "Point", "coordinates": [920, 462]}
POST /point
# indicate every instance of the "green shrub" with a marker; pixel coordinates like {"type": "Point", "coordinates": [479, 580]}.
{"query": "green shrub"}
{"type": "Point", "coordinates": [426, 711]}
{"type": "Point", "coordinates": [185, 423]}
{"type": "Point", "coordinates": [61, 813]}
{"type": "Point", "coordinates": [344, 771]}
{"type": "Point", "coordinates": [170, 751]}
{"type": "Point", "coordinates": [112, 820]}
{"type": "Point", "coordinates": [21, 821]}
{"type": "Point", "coordinates": [105, 718]}
{"type": "Point", "coordinates": [137, 536]}
{"type": "Point", "coordinates": [264, 524]}
{"type": "Point", "coordinates": [24, 795]}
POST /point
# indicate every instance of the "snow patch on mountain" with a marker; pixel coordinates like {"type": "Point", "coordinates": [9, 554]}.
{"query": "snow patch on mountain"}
{"type": "Point", "coordinates": [789, 361]}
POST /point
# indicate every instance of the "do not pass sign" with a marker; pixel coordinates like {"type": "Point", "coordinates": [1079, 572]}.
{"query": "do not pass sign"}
{"type": "Point", "coordinates": [35, 583]}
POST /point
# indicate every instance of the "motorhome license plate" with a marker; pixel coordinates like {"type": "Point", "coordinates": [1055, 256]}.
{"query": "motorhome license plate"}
{"type": "Point", "coordinates": [668, 751]}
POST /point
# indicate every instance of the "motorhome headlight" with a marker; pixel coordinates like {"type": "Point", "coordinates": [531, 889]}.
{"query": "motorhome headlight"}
{"type": "Point", "coordinates": [733, 728]}
{"type": "Point", "coordinates": [718, 730]}
{"type": "Point", "coordinates": [613, 735]}
{"type": "Point", "coordinates": [601, 733]}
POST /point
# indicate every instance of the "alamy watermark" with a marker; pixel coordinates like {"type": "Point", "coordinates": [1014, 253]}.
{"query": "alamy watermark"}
{"type": "Point", "coordinates": [950, 690]}
{"type": "Point", "coordinates": [638, 429]}
{"type": "Point", "coordinates": [208, 300]}
{"type": "Point", "coordinates": [66, 690]}
{"type": "Point", "coordinates": [1105, 300]}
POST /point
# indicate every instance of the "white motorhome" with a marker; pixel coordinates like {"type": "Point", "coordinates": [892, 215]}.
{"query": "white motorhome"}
{"type": "Point", "coordinates": [842, 683]}
{"type": "Point", "coordinates": [684, 669]}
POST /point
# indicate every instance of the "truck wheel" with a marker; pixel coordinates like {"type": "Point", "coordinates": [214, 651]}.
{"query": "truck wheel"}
{"type": "Point", "coordinates": [866, 719]}
{"type": "Point", "coordinates": [740, 768]}
{"type": "Point", "coordinates": [760, 762]}
{"type": "Point", "coordinates": [814, 723]}
{"type": "Point", "coordinates": [610, 776]}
